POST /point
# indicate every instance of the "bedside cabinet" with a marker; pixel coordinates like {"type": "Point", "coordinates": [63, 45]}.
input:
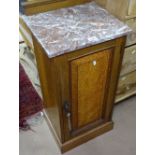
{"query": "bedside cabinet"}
{"type": "Point", "coordinates": [79, 53]}
{"type": "Point", "coordinates": [79, 90]}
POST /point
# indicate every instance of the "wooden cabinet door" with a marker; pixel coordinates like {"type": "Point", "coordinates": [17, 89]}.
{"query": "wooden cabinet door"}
{"type": "Point", "coordinates": [88, 83]}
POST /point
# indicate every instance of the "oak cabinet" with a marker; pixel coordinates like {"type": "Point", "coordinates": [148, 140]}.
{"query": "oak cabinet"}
{"type": "Point", "coordinates": [79, 52]}
{"type": "Point", "coordinates": [79, 90]}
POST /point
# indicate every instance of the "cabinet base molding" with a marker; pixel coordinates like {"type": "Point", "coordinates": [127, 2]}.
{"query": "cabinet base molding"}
{"type": "Point", "coordinates": [86, 136]}
{"type": "Point", "coordinates": [78, 140]}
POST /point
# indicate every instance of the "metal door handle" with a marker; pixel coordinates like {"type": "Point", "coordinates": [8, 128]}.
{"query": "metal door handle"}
{"type": "Point", "coordinates": [68, 114]}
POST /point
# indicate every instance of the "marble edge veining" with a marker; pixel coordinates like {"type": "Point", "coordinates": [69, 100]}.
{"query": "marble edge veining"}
{"type": "Point", "coordinates": [68, 29]}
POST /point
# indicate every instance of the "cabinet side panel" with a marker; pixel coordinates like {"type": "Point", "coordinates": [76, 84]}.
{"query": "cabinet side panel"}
{"type": "Point", "coordinates": [47, 80]}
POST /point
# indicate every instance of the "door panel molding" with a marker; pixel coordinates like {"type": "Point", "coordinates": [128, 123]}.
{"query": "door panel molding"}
{"type": "Point", "coordinates": [85, 76]}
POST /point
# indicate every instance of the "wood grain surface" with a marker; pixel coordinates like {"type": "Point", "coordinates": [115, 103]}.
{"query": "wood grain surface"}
{"type": "Point", "coordinates": [89, 77]}
{"type": "Point", "coordinates": [46, 5]}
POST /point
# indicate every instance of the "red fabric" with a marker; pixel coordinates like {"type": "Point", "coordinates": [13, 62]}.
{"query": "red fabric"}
{"type": "Point", "coordinates": [29, 101]}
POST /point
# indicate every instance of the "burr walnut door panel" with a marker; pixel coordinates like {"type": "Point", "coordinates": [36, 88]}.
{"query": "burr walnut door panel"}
{"type": "Point", "coordinates": [89, 81]}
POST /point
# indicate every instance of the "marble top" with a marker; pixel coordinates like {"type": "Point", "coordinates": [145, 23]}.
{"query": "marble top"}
{"type": "Point", "coordinates": [65, 30]}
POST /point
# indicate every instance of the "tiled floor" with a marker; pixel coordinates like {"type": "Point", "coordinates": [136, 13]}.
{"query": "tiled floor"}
{"type": "Point", "coordinates": [120, 141]}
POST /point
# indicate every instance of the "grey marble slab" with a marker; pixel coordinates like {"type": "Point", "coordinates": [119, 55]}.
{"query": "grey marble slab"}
{"type": "Point", "coordinates": [65, 30]}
